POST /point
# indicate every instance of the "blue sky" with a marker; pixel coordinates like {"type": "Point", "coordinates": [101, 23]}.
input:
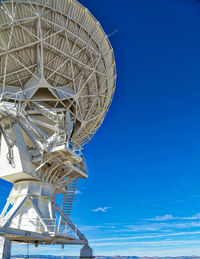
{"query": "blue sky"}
{"type": "Point", "coordinates": [142, 196]}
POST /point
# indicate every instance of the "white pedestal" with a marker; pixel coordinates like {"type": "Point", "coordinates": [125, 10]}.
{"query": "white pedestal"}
{"type": "Point", "coordinates": [31, 207]}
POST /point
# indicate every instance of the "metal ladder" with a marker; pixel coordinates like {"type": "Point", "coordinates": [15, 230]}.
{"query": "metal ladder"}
{"type": "Point", "coordinates": [67, 204]}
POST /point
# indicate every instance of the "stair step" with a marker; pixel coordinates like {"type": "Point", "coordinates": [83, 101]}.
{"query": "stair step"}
{"type": "Point", "coordinates": [68, 200]}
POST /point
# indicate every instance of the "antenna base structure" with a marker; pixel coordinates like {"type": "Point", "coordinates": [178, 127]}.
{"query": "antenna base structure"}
{"type": "Point", "coordinates": [57, 80]}
{"type": "Point", "coordinates": [31, 214]}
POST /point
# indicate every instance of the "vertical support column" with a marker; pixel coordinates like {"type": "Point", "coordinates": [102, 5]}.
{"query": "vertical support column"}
{"type": "Point", "coordinates": [5, 248]}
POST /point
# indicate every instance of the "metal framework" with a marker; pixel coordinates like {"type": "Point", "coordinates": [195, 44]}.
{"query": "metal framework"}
{"type": "Point", "coordinates": [57, 80]}
{"type": "Point", "coordinates": [56, 52]}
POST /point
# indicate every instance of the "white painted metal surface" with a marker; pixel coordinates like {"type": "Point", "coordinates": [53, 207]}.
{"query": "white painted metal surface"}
{"type": "Point", "coordinates": [32, 209]}
{"type": "Point", "coordinates": [57, 80]}
{"type": "Point", "coordinates": [56, 52]}
{"type": "Point", "coordinates": [31, 205]}
{"type": "Point", "coordinates": [5, 248]}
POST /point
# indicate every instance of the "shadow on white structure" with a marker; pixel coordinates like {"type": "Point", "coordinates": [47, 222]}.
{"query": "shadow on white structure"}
{"type": "Point", "coordinates": [57, 80]}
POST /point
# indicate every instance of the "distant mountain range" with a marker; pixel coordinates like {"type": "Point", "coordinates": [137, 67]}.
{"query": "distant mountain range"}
{"type": "Point", "coordinates": [101, 257]}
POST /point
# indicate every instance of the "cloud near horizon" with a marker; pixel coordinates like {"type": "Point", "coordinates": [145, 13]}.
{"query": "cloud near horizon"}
{"type": "Point", "coordinates": [171, 217]}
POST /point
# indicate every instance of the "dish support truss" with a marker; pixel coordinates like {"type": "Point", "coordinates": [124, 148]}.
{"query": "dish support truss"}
{"type": "Point", "coordinates": [40, 166]}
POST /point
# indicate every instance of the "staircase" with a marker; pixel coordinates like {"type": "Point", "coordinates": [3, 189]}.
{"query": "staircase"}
{"type": "Point", "coordinates": [46, 111]}
{"type": "Point", "coordinates": [67, 204]}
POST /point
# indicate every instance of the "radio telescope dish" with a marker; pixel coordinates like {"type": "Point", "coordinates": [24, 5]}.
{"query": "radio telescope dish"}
{"type": "Point", "coordinates": [55, 52]}
{"type": "Point", "coordinates": [57, 80]}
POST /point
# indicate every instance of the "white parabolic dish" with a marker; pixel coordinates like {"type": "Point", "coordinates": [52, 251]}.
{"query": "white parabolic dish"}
{"type": "Point", "coordinates": [55, 52]}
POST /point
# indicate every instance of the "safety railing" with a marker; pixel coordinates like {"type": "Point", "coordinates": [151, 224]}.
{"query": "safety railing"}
{"type": "Point", "coordinates": [40, 225]}
{"type": "Point", "coordinates": [83, 166]}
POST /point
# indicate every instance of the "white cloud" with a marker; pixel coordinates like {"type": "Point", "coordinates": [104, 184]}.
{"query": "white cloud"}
{"type": "Point", "coordinates": [94, 228]}
{"type": "Point", "coordinates": [151, 244]}
{"type": "Point", "coordinates": [159, 227]}
{"type": "Point", "coordinates": [154, 236]}
{"type": "Point", "coordinates": [145, 249]}
{"type": "Point", "coordinates": [170, 217]}
{"type": "Point", "coordinates": [104, 209]}
{"type": "Point", "coordinates": [78, 192]}
{"type": "Point", "coordinates": [163, 218]}
{"type": "Point", "coordinates": [196, 216]}
{"type": "Point", "coordinates": [148, 251]}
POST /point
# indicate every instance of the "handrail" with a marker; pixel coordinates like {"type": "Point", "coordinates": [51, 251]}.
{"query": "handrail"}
{"type": "Point", "coordinates": [51, 224]}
